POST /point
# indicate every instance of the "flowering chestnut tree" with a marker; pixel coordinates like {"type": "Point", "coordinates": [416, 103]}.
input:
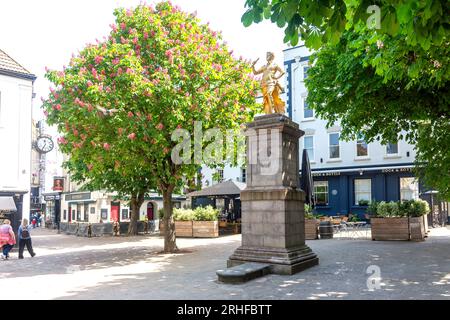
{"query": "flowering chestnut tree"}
{"type": "Point", "coordinates": [118, 102]}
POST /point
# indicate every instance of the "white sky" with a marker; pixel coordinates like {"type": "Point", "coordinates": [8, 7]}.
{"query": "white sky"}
{"type": "Point", "coordinates": [40, 33]}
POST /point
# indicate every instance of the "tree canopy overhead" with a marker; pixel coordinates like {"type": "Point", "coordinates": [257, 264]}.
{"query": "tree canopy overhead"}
{"type": "Point", "coordinates": [423, 23]}
{"type": "Point", "coordinates": [412, 102]}
{"type": "Point", "coordinates": [119, 101]}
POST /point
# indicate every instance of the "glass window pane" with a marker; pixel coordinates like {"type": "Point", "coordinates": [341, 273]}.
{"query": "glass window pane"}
{"type": "Point", "coordinates": [307, 112]}
{"type": "Point", "coordinates": [308, 142]}
{"type": "Point", "coordinates": [409, 189]}
{"type": "Point", "coordinates": [363, 190]}
{"type": "Point", "coordinates": [362, 149]}
{"type": "Point", "coordinates": [334, 139]}
{"type": "Point", "coordinates": [392, 148]}
{"type": "Point", "coordinates": [334, 152]}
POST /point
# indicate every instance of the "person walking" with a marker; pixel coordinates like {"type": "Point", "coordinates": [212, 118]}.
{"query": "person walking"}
{"type": "Point", "coordinates": [7, 238]}
{"type": "Point", "coordinates": [25, 239]}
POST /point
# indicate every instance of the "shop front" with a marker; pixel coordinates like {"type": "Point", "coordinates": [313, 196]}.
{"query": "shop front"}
{"type": "Point", "coordinates": [344, 192]}
{"type": "Point", "coordinates": [52, 216]}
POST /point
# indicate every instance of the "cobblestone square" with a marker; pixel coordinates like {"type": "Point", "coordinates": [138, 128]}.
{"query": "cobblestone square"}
{"type": "Point", "coordinates": [68, 267]}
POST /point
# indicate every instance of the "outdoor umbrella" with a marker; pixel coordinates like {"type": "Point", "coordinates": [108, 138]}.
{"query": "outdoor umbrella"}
{"type": "Point", "coordinates": [306, 181]}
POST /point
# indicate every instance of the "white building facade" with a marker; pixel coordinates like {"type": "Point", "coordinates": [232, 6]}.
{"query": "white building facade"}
{"type": "Point", "coordinates": [347, 174]}
{"type": "Point", "coordinates": [16, 94]}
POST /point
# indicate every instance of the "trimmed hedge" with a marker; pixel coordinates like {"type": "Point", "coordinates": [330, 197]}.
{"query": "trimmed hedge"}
{"type": "Point", "coordinates": [410, 208]}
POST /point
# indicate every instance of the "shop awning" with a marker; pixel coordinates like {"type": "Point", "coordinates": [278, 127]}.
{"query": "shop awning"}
{"type": "Point", "coordinates": [7, 204]}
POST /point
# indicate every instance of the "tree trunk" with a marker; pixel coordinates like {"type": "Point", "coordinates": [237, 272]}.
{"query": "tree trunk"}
{"type": "Point", "coordinates": [170, 244]}
{"type": "Point", "coordinates": [136, 202]}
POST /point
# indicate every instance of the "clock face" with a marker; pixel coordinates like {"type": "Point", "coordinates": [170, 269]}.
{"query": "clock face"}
{"type": "Point", "coordinates": [44, 144]}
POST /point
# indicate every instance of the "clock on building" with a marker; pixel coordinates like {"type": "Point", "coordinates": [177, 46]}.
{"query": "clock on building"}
{"type": "Point", "coordinates": [44, 144]}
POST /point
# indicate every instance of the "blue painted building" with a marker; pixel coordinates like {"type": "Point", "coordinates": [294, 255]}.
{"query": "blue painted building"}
{"type": "Point", "coordinates": [346, 174]}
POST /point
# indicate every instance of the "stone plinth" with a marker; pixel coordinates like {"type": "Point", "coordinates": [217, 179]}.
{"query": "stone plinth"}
{"type": "Point", "coordinates": [273, 222]}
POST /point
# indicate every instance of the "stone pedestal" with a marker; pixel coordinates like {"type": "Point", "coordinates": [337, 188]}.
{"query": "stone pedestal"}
{"type": "Point", "coordinates": [273, 222]}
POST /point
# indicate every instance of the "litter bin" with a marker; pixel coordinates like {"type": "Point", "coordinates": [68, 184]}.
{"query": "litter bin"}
{"type": "Point", "coordinates": [326, 230]}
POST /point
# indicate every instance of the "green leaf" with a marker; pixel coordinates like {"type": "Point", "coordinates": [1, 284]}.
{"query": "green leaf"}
{"type": "Point", "coordinates": [247, 18]}
{"type": "Point", "coordinates": [404, 12]}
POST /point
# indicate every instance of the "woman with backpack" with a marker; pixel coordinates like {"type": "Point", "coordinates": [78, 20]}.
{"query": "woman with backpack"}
{"type": "Point", "coordinates": [7, 238]}
{"type": "Point", "coordinates": [25, 239]}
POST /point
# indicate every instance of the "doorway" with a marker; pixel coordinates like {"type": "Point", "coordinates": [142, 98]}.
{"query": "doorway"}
{"type": "Point", "coordinates": [115, 208]}
{"type": "Point", "coordinates": [150, 211]}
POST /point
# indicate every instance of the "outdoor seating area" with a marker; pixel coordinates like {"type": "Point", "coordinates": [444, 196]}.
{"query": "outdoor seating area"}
{"type": "Point", "coordinates": [345, 229]}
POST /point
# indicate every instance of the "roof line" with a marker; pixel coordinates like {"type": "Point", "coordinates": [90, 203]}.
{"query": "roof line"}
{"type": "Point", "coordinates": [15, 61]}
{"type": "Point", "coordinates": [14, 74]}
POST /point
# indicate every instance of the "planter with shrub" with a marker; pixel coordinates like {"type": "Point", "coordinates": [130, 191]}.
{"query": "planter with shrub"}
{"type": "Point", "coordinates": [399, 220]}
{"type": "Point", "coordinates": [311, 224]}
{"type": "Point", "coordinates": [198, 223]}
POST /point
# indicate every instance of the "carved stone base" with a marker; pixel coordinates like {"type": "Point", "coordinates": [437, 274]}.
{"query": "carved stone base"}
{"type": "Point", "coordinates": [282, 261]}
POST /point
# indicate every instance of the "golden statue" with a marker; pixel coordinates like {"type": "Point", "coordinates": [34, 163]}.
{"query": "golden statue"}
{"type": "Point", "coordinates": [270, 87]}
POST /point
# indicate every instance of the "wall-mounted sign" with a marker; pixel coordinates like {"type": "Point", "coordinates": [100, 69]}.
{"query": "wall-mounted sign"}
{"type": "Point", "coordinates": [326, 174]}
{"type": "Point", "coordinates": [58, 184]}
{"type": "Point", "coordinates": [78, 196]}
{"type": "Point", "coordinates": [52, 197]}
{"type": "Point", "coordinates": [397, 170]}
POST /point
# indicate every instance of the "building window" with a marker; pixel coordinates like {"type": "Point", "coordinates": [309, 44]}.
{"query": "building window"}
{"type": "Point", "coordinates": [244, 175]}
{"type": "Point", "coordinates": [307, 112]}
{"type": "Point", "coordinates": [392, 148]}
{"type": "Point", "coordinates": [65, 214]}
{"type": "Point", "coordinates": [309, 146]}
{"type": "Point", "coordinates": [92, 210]}
{"type": "Point", "coordinates": [125, 214]}
{"type": "Point", "coordinates": [362, 150]}
{"type": "Point", "coordinates": [73, 214]}
{"type": "Point", "coordinates": [104, 214]}
{"type": "Point", "coordinates": [409, 189]}
{"type": "Point", "coordinates": [334, 146]}
{"type": "Point", "coordinates": [321, 193]}
{"type": "Point", "coordinates": [363, 190]}
{"type": "Point", "coordinates": [305, 72]}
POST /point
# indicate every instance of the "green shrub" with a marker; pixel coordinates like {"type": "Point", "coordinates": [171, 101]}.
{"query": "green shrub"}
{"type": "Point", "coordinates": [206, 214]}
{"type": "Point", "coordinates": [183, 214]}
{"type": "Point", "coordinates": [199, 214]}
{"type": "Point", "coordinates": [308, 209]}
{"type": "Point", "coordinates": [161, 214]}
{"type": "Point", "coordinates": [372, 208]}
{"type": "Point", "coordinates": [420, 208]}
{"type": "Point", "coordinates": [408, 208]}
{"type": "Point", "coordinates": [363, 203]}
{"type": "Point", "coordinates": [387, 209]}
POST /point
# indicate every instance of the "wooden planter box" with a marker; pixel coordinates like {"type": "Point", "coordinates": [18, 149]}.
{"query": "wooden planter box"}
{"type": "Point", "coordinates": [205, 229]}
{"type": "Point", "coordinates": [398, 229]}
{"type": "Point", "coordinates": [311, 230]}
{"type": "Point", "coordinates": [417, 228]}
{"type": "Point", "coordinates": [183, 229]}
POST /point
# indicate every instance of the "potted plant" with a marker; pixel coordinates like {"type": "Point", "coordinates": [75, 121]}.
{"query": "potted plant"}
{"type": "Point", "coordinates": [205, 224]}
{"type": "Point", "coordinates": [363, 203]}
{"type": "Point", "coordinates": [183, 222]}
{"type": "Point", "coordinates": [399, 220]}
{"type": "Point", "coordinates": [311, 224]}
